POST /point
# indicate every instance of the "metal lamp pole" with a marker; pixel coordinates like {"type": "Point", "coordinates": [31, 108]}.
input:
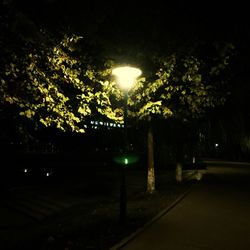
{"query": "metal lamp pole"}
{"type": "Point", "coordinates": [123, 189]}
{"type": "Point", "coordinates": [125, 77]}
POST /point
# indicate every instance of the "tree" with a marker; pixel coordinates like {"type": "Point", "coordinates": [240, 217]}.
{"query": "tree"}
{"type": "Point", "coordinates": [48, 80]}
{"type": "Point", "coordinates": [183, 87]}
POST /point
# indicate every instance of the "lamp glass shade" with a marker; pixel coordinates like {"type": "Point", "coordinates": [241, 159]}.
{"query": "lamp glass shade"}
{"type": "Point", "coordinates": [126, 76]}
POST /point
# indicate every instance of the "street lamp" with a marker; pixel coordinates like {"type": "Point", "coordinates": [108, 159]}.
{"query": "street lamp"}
{"type": "Point", "coordinates": [125, 77]}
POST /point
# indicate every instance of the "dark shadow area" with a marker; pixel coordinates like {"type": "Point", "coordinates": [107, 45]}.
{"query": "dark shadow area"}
{"type": "Point", "coordinates": [58, 201]}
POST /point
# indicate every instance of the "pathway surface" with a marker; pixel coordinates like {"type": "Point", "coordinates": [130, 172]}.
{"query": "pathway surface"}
{"type": "Point", "coordinates": [214, 215]}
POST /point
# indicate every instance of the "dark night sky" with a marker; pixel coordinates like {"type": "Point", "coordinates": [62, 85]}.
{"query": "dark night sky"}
{"type": "Point", "coordinates": [149, 24]}
{"type": "Point", "coordinates": [125, 29]}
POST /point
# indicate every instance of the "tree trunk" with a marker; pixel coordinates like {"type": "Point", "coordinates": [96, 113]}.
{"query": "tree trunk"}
{"type": "Point", "coordinates": [179, 153]}
{"type": "Point", "coordinates": [151, 170]}
{"type": "Point", "coordinates": [179, 160]}
{"type": "Point", "coordinates": [178, 171]}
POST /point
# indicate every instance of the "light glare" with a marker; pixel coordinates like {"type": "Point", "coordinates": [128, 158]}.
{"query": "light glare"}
{"type": "Point", "coordinates": [126, 76]}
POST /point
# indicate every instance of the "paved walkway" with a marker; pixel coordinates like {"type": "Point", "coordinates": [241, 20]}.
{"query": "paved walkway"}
{"type": "Point", "coordinates": [214, 215]}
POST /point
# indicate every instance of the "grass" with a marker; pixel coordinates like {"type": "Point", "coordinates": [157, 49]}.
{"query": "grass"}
{"type": "Point", "coordinates": [92, 222]}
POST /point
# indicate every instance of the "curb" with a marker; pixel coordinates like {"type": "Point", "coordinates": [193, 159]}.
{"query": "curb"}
{"type": "Point", "coordinates": [126, 240]}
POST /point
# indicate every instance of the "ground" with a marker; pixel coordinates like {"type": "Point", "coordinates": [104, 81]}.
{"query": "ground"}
{"type": "Point", "coordinates": [84, 209]}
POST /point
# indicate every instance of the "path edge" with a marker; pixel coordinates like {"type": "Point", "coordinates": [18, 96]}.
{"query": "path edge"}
{"type": "Point", "coordinates": [126, 240]}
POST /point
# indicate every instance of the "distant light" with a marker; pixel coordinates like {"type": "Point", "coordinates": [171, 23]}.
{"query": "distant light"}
{"type": "Point", "coordinates": [198, 176]}
{"type": "Point", "coordinates": [216, 145]}
{"type": "Point", "coordinates": [25, 170]}
{"type": "Point", "coordinates": [47, 174]}
{"type": "Point", "coordinates": [126, 161]}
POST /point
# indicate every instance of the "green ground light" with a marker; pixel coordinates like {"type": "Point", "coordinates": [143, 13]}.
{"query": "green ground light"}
{"type": "Point", "coordinates": [126, 159]}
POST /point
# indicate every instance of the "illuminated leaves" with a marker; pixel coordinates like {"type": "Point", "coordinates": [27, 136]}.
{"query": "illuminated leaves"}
{"type": "Point", "coordinates": [50, 86]}
{"type": "Point", "coordinates": [28, 113]}
{"type": "Point", "coordinates": [183, 87]}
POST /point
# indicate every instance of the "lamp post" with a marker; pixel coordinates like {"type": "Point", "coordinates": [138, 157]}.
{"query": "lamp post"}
{"type": "Point", "coordinates": [125, 77]}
